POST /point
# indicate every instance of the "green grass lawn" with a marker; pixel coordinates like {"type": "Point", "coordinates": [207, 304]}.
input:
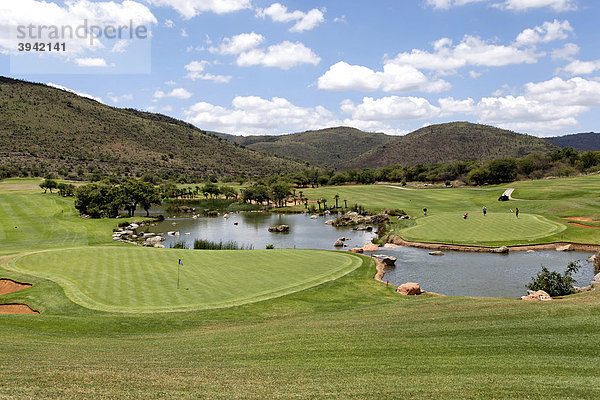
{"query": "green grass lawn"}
{"type": "Point", "coordinates": [547, 200]}
{"type": "Point", "coordinates": [133, 279]}
{"type": "Point", "coordinates": [345, 338]}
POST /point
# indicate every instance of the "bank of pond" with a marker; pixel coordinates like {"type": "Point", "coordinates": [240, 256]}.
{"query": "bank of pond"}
{"type": "Point", "coordinates": [454, 274]}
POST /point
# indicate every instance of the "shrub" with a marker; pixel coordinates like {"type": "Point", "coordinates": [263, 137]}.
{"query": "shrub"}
{"type": "Point", "coordinates": [270, 247]}
{"type": "Point", "coordinates": [554, 283]}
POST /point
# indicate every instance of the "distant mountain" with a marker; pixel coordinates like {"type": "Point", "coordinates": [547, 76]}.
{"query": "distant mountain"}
{"type": "Point", "coordinates": [45, 129]}
{"type": "Point", "coordinates": [331, 147]}
{"type": "Point", "coordinates": [455, 141]}
{"type": "Point", "coordinates": [581, 141]}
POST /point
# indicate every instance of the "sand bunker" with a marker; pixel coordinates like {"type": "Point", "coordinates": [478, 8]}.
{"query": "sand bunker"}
{"type": "Point", "coordinates": [583, 226]}
{"type": "Point", "coordinates": [9, 286]}
{"type": "Point", "coordinates": [580, 219]}
{"type": "Point", "coordinates": [16, 309]}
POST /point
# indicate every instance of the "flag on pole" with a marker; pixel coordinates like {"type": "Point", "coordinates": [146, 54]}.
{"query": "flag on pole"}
{"type": "Point", "coordinates": [180, 262]}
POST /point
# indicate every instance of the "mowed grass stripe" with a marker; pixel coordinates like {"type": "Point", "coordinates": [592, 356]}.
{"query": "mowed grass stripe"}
{"type": "Point", "coordinates": [493, 228]}
{"type": "Point", "coordinates": [132, 279]}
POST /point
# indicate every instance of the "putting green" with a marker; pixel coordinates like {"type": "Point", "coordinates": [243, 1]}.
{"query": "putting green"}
{"type": "Point", "coordinates": [493, 228]}
{"type": "Point", "coordinates": [133, 279]}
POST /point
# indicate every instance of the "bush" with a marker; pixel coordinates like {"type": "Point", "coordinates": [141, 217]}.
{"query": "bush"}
{"type": "Point", "coordinates": [554, 283]}
{"type": "Point", "coordinates": [270, 247]}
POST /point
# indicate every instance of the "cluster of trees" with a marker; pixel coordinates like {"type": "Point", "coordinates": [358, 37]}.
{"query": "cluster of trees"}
{"type": "Point", "coordinates": [277, 192]}
{"type": "Point", "coordinates": [107, 199]}
{"type": "Point", "coordinates": [64, 189]}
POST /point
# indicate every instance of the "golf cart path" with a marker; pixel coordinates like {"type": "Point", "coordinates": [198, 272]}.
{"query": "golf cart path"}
{"type": "Point", "coordinates": [399, 187]}
{"type": "Point", "coordinates": [508, 192]}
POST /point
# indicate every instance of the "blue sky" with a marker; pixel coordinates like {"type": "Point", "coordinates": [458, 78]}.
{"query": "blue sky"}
{"type": "Point", "coordinates": [272, 67]}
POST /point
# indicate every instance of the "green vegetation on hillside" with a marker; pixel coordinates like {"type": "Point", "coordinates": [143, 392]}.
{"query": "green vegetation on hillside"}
{"type": "Point", "coordinates": [589, 141]}
{"type": "Point", "coordinates": [45, 130]}
{"type": "Point", "coordinates": [455, 141]}
{"type": "Point", "coordinates": [331, 147]}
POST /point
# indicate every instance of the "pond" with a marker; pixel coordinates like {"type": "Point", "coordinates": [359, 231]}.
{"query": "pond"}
{"type": "Point", "coordinates": [454, 274]}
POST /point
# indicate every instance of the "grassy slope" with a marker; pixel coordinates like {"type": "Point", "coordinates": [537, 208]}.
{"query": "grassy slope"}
{"type": "Point", "coordinates": [551, 199]}
{"type": "Point", "coordinates": [349, 338]}
{"type": "Point", "coordinates": [455, 141]}
{"type": "Point", "coordinates": [40, 124]}
{"type": "Point", "coordinates": [589, 141]}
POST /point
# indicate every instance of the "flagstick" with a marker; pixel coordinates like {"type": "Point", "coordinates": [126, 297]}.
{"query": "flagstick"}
{"type": "Point", "coordinates": [178, 268]}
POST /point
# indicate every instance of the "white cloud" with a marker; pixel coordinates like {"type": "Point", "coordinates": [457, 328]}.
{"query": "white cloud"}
{"type": "Point", "coordinates": [577, 67]}
{"type": "Point", "coordinates": [393, 79]}
{"type": "Point", "coordinates": [169, 23]}
{"type": "Point", "coordinates": [341, 19]}
{"type": "Point", "coordinates": [556, 5]}
{"type": "Point", "coordinates": [91, 62]}
{"type": "Point", "coordinates": [196, 71]}
{"type": "Point", "coordinates": [284, 55]}
{"type": "Point", "coordinates": [514, 5]}
{"type": "Point", "coordinates": [471, 51]}
{"type": "Point", "coordinates": [544, 108]}
{"type": "Point", "coordinates": [170, 83]}
{"type": "Point", "coordinates": [391, 108]}
{"type": "Point", "coordinates": [71, 13]}
{"type": "Point", "coordinates": [120, 46]}
{"type": "Point", "coordinates": [82, 94]}
{"type": "Point", "coordinates": [184, 32]}
{"type": "Point", "coordinates": [567, 52]}
{"type": "Point", "coordinates": [255, 115]}
{"type": "Point", "coordinates": [239, 43]}
{"type": "Point", "coordinates": [548, 32]}
{"type": "Point", "coordinates": [190, 8]}
{"type": "Point", "coordinates": [304, 21]}
{"type": "Point", "coordinates": [446, 4]}
{"type": "Point", "coordinates": [178, 93]}
{"type": "Point", "coordinates": [475, 74]}
{"type": "Point", "coordinates": [116, 99]}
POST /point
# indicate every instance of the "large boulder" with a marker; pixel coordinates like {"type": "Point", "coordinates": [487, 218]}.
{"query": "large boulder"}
{"type": "Point", "coordinates": [436, 253]}
{"type": "Point", "coordinates": [339, 243]}
{"type": "Point", "coordinates": [500, 250]}
{"type": "Point", "coordinates": [567, 247]}
{"type": "Point", "coordinates": [370, 247]}
{"type": "Point", "coordinates": [540, 295]}
{"type": "Point", "coordinates": [389, 261]}
{"type": "Point", "coordinates": [155, 239]}
{"type": "Point", "coordinates": [356, 250]}
{"type": "Point", "coordinates": [279, 228]}
{"type": "Point", "coordinates": [409, 289]}
{"type": "Point", "coordinates": [390, 246]}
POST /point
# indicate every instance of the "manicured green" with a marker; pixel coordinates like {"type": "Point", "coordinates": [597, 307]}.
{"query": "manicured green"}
{"type": "Point", "coordinates": [542, 206]}
{"type": "Point", "coordinates": [349, 338]}
{"type": "Point", "coordinates": [134, 279]}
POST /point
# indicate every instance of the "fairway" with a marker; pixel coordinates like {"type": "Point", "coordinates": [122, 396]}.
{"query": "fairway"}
{"type": "Point", "coordinates": [138, 280]}
{"type": "Point", "coordinates": [493, 228]}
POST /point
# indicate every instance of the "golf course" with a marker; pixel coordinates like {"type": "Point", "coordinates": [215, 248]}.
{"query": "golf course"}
{"type": "Point", "coordinates": [122, 321]}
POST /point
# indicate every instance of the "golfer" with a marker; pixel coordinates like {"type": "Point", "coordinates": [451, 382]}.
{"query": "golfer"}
{"type": "Point", "coordinates": [484, 211]}
{"type": "Point", "coordinates": [517, 213]}
{"type": "Point", "coordinates": [425, 211]}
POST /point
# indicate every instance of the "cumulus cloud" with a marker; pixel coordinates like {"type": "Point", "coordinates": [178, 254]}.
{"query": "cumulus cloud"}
{"type": "Point", "coordinates": [196, 71]}
{"type": "Point", "coordinates": [305, 21]}
{"type": "Point", "coordinates": [393, 79]}
{"type": "Point", "coordinates": [548, 32]}
{"type": "Point", "coordinates": [178, 93]}
{"type": "Point", "coordinates": [78, 93]}
{"type": "Point", "coordinates": [284, 55]}
{"type": "Point", "coordinates": [391, 108]}
{"type": "Point", "coordinates": [471, 51]}
{"type": "Point", "coordinates": [190, 8]}
{"type": "Point", "coordinates": [578, 67]}
{"type": "Point", "coordinates": [567, 52]}
{"type": "Point", "coordinates": [255, 115]}
{"type": "Point", "coordinates": [238, 44]}
{"type": "Point", "coordinates": [91, 62]}
{"type": "Point", "coordinates": [514, 5]}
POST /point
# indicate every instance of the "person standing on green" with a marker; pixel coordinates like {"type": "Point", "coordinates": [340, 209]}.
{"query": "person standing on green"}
{"type": "Point", "coordinates": [484, 211]}
{"type": "Point", "coordinates": [517, 213]}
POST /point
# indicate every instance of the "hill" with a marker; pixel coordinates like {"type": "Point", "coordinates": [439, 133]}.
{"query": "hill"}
{"type": "Point", "coordinates": [455, 141]}
{"type": "Point", "coordinates": [44, 129]}
{"type": "Point", "coordinates": [331, 147]}
{"type": "Point", "coordinates": [589, 141]}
